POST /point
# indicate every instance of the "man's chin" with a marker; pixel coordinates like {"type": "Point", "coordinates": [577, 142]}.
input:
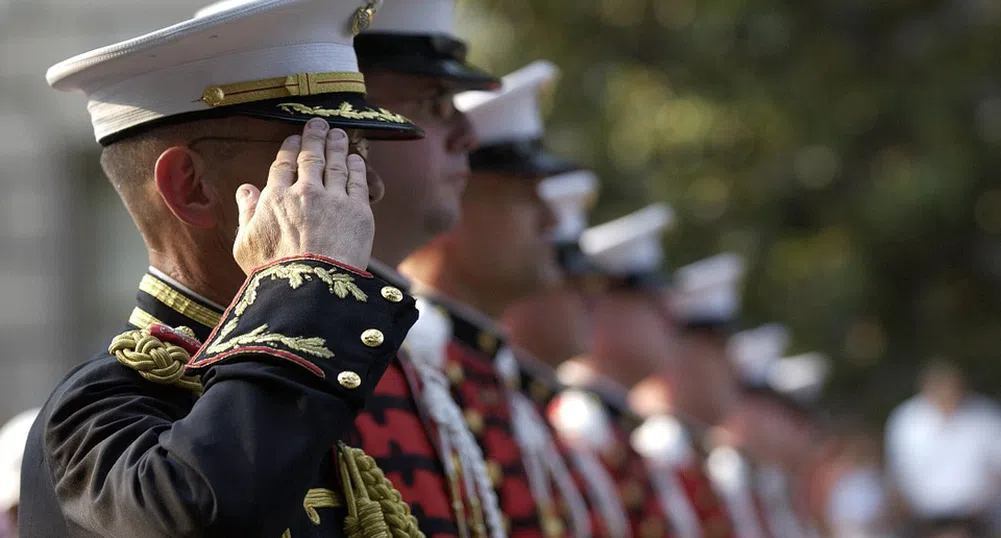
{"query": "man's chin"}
{"type": "Point", "coordinates": [442, 219]}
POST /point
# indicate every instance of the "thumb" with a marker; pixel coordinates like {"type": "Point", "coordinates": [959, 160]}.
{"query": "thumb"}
{"type": "Point", "coordinates": [246, 200]}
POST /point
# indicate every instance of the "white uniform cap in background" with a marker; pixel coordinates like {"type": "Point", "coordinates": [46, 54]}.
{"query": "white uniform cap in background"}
{"type": "Point", "coordinates": [630, 244]}
{"type": "Point", "coordinates": [396, 16]}
{"type": "Point", "coordinates": [570, 196]}
{"type": "Point", "coordinates": [755, 351]}
{"type": "Point", "coordinates": [235, 54]}
{"type": "Point", "coordinates": [13, 436]}
{"type": "Point", "coordinates": [708, 291]}
{"type": "Point", "coordinates": [415, 17]}
{"type": "Point", "coordinates": [513, 113]}
{"type": "Point", "coordinates": [801, 376]}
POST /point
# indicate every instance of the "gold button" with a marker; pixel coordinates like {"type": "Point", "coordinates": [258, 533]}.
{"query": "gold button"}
{"type": "Point", "coordinates": [373, 338]}
{"type": "Point", "coordinates": [349, 379]}
{"type": "Point", "coordinates": [496, 472]}
{"type": "Point", "coordinates": [213, 95]}
{"type": "Point", "coordinates": [487, 342]}
{"type": "Point", "coordinates": [539, 392]}
{"type": "Point", "coordinates": [552, 526]}
{"type": "Point", "coordinates": [391, 294]}
{"type": "Point", "coordinates": [455, 373]}
{"type": "Point", "coordinates": [474, 420]}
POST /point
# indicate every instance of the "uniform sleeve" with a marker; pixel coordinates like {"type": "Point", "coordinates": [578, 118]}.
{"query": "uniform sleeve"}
{"type": "Point", "coordinates": [284, 375]}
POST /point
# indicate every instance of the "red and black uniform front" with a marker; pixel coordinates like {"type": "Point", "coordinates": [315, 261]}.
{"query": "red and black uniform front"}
{"type": "Point", "coordinates": [482, 393]}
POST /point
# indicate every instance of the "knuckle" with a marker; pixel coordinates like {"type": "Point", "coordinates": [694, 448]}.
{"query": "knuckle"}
{"type": "Point", "coordinates": [306, 189]}
{"type": "Point", "coordinates": [282, 167]}
{"type": "Point", "coordinates": [336, 167]}
{"type": "Point", "coordinates": [310, 161]}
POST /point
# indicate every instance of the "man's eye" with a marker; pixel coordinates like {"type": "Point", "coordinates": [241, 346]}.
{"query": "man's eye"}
{"type": "Point", "coordinates": [438, 107]}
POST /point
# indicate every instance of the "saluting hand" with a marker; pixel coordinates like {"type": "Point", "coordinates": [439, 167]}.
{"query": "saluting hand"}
{"type": "Point", "coordinates": [316, 201]}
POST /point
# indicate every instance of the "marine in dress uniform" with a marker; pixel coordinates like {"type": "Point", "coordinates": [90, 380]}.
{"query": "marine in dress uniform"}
{"type": "Point", "coordinates": [418, 39]}
{"type": "Point", "coordinates": [410, 425]}
{"type": "Point", "coordinates": [199, 422]}
{"type": "Point", "coordinates": [519, 459]}
{"type": "Point", "coordinates": [779, 392]}
{"type": "Point", "coordinates": [735, 462]}
{"type": "Point", "coordinates": [676, 436]}
{"type": "Point", "coordinates": [593, 414]}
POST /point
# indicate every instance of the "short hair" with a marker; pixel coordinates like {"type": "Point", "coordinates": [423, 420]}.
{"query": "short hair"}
{"type": "Point", "coordinates": [129, 163]}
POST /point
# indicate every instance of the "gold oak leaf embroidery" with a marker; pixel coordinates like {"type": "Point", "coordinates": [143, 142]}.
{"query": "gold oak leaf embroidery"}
{"type": "Point", "coordinates": [345, 110]}
{"type": "Point", "coordinates": [315, 346]}
{"type": "Point", "coordinates": [297, 274]}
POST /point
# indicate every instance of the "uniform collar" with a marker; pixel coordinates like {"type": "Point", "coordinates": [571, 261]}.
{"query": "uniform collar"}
{"type": "Point", "coordinates": [470, 327]}
{"type": "Point", "coordinates": [163, 300]}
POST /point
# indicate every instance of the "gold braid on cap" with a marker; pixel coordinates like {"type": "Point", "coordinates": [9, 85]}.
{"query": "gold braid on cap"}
{"type": "Point", "coordinates": [291, 85]}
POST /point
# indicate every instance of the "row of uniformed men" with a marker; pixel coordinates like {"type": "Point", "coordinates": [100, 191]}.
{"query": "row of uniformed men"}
{"type": "Point", "coordinates": [553, 383]}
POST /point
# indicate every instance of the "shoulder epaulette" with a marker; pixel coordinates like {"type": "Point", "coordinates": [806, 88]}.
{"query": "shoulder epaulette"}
{"type": "Point", "coordinates": [159, 353]}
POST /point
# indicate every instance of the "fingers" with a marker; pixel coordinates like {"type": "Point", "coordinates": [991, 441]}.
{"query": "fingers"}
{"type": "Point", "coordinates": [246, 201]}
{"type": "Point", "coordinates": [376, 187]}
{"type": "Point", "coordinates": [311, 155]}
{"type": "Point", "coordinates": [282, 172]}
{"type": "Point", "coordinates": [357, 178]}
{"type": "Point", "coordinates": [336, 173]}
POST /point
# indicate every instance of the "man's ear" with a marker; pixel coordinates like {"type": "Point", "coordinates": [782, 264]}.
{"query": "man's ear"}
{"type": "Point", "coordinates": [181, 182]}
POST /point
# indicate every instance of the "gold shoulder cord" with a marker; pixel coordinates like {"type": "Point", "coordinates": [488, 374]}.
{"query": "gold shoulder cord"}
{"type": "Point", "coordinates": [155, 360]}
{"type": "Point", "coordinates": [375, 508]}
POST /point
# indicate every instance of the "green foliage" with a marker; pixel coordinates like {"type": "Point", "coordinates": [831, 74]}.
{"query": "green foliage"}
{"type": "Point", "coordinates": [849, 149]}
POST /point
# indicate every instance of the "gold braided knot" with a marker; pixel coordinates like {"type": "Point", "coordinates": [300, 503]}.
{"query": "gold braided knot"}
{"type": "Point", "coordinates": [375, 508]}
{"type": "Point", "coordinates": [154, 359]}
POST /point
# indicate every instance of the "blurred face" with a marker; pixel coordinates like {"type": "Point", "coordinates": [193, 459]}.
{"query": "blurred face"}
{"type": "Point", "coordinates": [780, 434]}
{"type": "Point", "coordinates": [945, 388]}
{"type": "Point", "coordinates": [424, 178]}
{"type": "Point", "coordinates": [632, 329]}
{"type": "Point", "coordinates": [762, 431]}
{"type": "Point", "coordinates": [501, 241]}
{"type": "Point", "coordinates": [703, 377]}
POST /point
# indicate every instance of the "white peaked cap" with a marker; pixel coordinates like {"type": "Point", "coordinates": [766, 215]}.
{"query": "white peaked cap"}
{"type": "Point", "coordinates": [709, 289]}
{"type": "Point", "coordinates": [755, 351]}
{"type": "Point", "coordinates": [512, 113]}
{"type": "Point", "coordinates": [167, 72]}
{"type": "Point", "coordinates": [13, 436]}
{"type": "Point", "coordinates": [218, 7]}
{"type": "Point", "coordinates": [801, 376]}
{"type": "Point", "coordinates": [629, 244]}
{"type": "Point", "coordinates": [392, 16]}
{"type": "Point", "coordinates": [570, 196]}
{"type": "Point", "coordinates": [415, 17]}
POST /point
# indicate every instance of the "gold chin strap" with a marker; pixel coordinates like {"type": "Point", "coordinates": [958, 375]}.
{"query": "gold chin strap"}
{"type": "Point", "coordinates": [155, 360]}
{"type": "Point", "coordinates": [375, 508]}
{"type": "Point", "coordinates": [292, 85]}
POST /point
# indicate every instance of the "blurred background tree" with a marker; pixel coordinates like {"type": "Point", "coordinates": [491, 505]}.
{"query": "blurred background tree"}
{"type": "Point", "coordinates": [848, 149]}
